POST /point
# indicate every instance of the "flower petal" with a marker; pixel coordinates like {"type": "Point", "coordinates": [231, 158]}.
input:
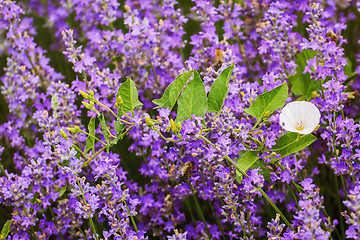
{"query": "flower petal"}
{"type": "Point", "coordinates": [300, 112]}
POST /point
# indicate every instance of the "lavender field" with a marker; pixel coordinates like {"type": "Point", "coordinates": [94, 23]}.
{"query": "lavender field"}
{"type": "Point", "coordinates": [180, 119]}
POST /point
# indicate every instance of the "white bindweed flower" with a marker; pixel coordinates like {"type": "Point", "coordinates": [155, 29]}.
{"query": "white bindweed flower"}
{"type": "Point", "coordinates": [300, 116]}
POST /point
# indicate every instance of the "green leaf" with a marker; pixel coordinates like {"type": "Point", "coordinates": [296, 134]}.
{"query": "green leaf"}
{"type": "Point", "coordinates": [219, 90]}
{"type": "Point", "coordinates": [302, 84]}
{"type": "Point", "coordinates": [268, 102]}
{"type": "Point", "coordinates": [129, 94]}
{"type": "Point", "coordinates": [348, 68]}
{"type": "Point", "coordinates": [6, 229]}
{"type": "Point", "coordinates": [290, 143]}
{"type": "Point", "coordinates": [173, 91]}
{"type": "Point", "coordinates": [348, 72]}
{"type": "Point", "coordinates": [302, 98]}
{"type": "Point", "coordinates": [192, 100]}
{"type": "Point", "coordinates": [62, 190]}
{"type": "Point", "coordinates": [90, 141]}
{"type": "Point", "coordinates": [104, 129]}
{"type": "Point", "coordinates": [245, 162]}
{"type": "Point", "coordinates": [119, 128]}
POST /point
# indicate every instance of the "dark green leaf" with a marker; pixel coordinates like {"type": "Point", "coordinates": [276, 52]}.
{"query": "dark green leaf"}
{"type": "Point", "coordinates": [302, 84]}
{"type": "Point", "coordinates": [90, 141]}
{"type": "Point", "coordinates": [129, 94]}
{"type": "Point", "coordinates": [173, 91]}
{"type": "Point", "coordinates": [303, 98]}
{"type": "Point", "coordinates": [6, 229]}
{"type": "Point", "coordinates": [192, 100]}
{"type": "Point", "coordinates": [245, 162]}
{"type": "Point", "coordinates": [119, 127]}
{"type": "Point", "coordinates": [348, 72]}
{"type": "Point", "coordinates": [62, 190]}
{"type": "Point", "coordinates": [268, 102]}
{"type": "Point", "coordinates": [290, 143]}
{"type": "Point", "coordinates": [219, 90]}
{"type": "Point", "coordinates": [348, 68]}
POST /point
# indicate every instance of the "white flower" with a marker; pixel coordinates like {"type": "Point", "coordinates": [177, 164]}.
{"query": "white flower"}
{"type": "Point", "coordinates": [300, 116]}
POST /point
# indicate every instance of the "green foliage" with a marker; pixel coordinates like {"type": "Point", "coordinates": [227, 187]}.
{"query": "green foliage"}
{"type": "Point", "coordinates": [291, 143]}
{"type": "Point", "coordinates": [348, 68]}
{"type": "Point", "coordinates": [268, 102]}
{"type": "Point", "coordinates": [219, 90]}
{"type": "Point", "coordinates": [6, 229]}
{"type": "Point", "coordinates": [245, 162]}
{"type": "Point", "coordinates": [302, 84]}
{"type": "Point", "coordinates": [62, 190]}
{"type": "Point", "coordinates": [119, 128]}
{"type": "Point", "coordinates": [90, 141]}
{"type": "Point", "coordinates": [348, 72]}
{"type": "Point", "coordinates": [192, 100]}
{"type": "Point", "coordinates": [173, 91]}
{"type": "Point", "coordinates": [129, 95]}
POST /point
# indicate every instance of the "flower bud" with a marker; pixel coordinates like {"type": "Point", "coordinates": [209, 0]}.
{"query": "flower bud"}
{"type": "Point", "coordinates": [63, 134]}
{"type": "Point", "coordinates": [149, 121]}
{"type": "Point", "coordinates": [84, 95]}
{"type": "Point", "coordinates": [178, 125]}
{"type": "Point", "coordinates": [87, 105]}
{"type": "Point", "coordinates": [74, 129]}
{"type": "Point", "coordinates": [91, 93]}
{"type": "Point", "coordinates": [313, 94]}
{"type": "Point", "coordinates": [173, 126]}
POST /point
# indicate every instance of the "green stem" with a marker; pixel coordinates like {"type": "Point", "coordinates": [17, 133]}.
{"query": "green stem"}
{"type": "Point", "coordinates": [127, 207]}
{"type": "Point", "coordinates": [93, 228]}
{"type": "Point", "coordinates": [89, 160]}
{"type": "Point", "coordinates": [128, 130]}
{"type": "Point", "coordinates": [153, 70]}
{"type": "Point", "coordinates": [92, 225]}
{"type": "Point", "coordinates": [112, 112]}
{"type": "Point", "coordinates": [33, 66]}
{"type": "Point", "coordinates": [339, 206]}
{"type": "Point", "coordinates": [81, 152]}
{"type": "Point", "coordinates": [89, 134]}
{"type": "Point", "coordinates": [53, 216]}
{"type": "Point", "coordinates": [189, 208]}
{"type": "Point", "coordinates": [131, 217]}
{"type": "Point", "coordinates": [162, 136]}
{"type": "Point", "coordinates": [3, 170]}
{"type": "Point", "coordinates": [258, 188]}
{"type": "Point", "coordinates": [84, 74]}
{"type": "Point", "coordinates": [283, 64]}
{"type": "Point", "coordinates": [82, 232]}
{"type": "Point", "coordinates": [198, 207]}
{"type": "Point", "coordinates": [262, 193]}
{"type": "Point", "coordinates": [31, 230]}
{"type": "Point", "coordinates": [212, 208]}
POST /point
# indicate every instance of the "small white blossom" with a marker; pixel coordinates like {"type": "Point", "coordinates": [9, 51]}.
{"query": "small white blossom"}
{"type": "Point", "coordinates": [300, 116]}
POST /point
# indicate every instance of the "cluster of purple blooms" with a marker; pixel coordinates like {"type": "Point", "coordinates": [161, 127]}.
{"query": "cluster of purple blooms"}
{"type": "Point", "coordinates": [54, 186]}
